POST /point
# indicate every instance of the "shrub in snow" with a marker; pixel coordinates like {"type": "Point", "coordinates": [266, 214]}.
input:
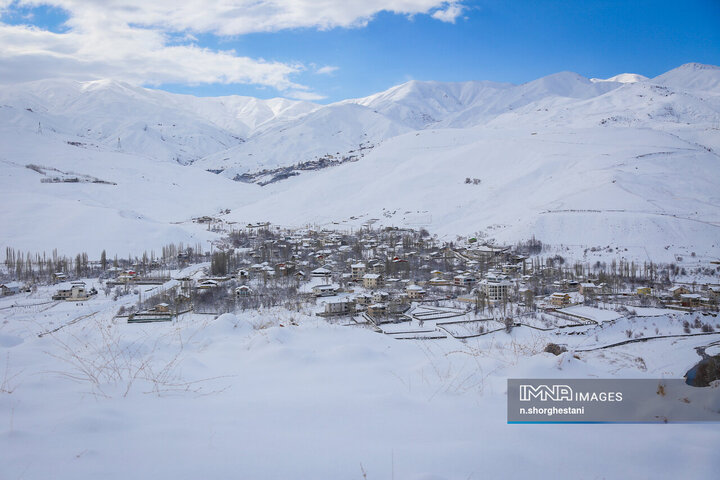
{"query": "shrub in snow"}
{"type": "Point", "coordinates": [555, 349]}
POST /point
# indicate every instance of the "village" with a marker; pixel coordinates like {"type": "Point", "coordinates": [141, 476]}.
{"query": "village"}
{"type": "Point", "coordinates": [399, 282]}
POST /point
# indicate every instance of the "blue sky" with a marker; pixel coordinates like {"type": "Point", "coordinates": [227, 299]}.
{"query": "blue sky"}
{"type": "Point", "coordinates": [350, 49]}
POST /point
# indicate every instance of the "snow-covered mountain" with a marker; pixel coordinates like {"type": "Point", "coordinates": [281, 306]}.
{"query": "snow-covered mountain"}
{"type": "Point", "coordinates": [117, 116]}
{"type": "Point", "coordinates": [629, 161]}
{"type": "Point", "coordinates": [339, 130]}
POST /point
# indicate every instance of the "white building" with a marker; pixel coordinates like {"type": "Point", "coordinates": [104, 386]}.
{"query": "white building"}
{"type": "Point", "coordinates": [76, 292]}
{"type": "Point", "coordinates": [496, 288]}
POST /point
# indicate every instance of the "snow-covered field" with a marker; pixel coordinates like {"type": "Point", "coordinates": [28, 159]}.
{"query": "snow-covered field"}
{"type": "Point", "coordinates": [241, 396]}
{"type": "Point", "coordinates": [591, 313]}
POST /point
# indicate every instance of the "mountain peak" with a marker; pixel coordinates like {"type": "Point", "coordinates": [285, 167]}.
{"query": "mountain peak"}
{"type": "Point", "coordinates": [692, 76]}
{"type": "Point", "coordinates": [694, 66]}
{"type": "Point", "coordinates": [622, 78]}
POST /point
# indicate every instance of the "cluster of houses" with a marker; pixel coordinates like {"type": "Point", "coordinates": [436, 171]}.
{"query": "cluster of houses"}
{"type": "Point", "coordinates": [684, 297]}
{"type": "Point", "coordinates": [677, 296]}
{"type": "Point", "coordinates": [381, 272]}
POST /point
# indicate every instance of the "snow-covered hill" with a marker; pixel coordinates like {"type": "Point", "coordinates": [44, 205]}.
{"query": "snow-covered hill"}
{"type": "Point", "coordinates": [120, 117]}
{"type": "Point", "coordinates": [628, 162]}
{"type": "Point", "coordinates": [335, 132]}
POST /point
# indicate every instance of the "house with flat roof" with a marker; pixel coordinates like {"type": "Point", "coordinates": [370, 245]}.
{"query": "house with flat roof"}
{"type": "Point", "coordinates": [495, 287]}
{"type": "Point", "coordinates": [372, 280]}
{"type": "Point", "coordinates": [415, 292]}
{"type": "Point", "coordinates": [343, 306]}
{"type": "Point", "coordinates": [357, 270]}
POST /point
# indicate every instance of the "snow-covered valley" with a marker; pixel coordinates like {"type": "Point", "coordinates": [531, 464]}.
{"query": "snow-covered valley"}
{"type": "Point", "coordinates": [250, 373]}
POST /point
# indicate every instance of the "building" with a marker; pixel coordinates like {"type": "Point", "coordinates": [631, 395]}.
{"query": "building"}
{"type": "Point", "coordinates": [373, 280]}
{"type": "Point", "coordinates": [325, 290]}
{"type": "Point", "coordinates": [377, 267]}
{"type": "Point", "coordinates": [588, 288]}
{"type": "Point", "coordinates": [484, 253]}
{"type": "Point", "coordinates": [380, 297]}
{"type": "Point", "coordinates": [76, 292]}
{"type": "Point", "coordinates": [464, 280]}
{"type": "Point", "coordinates": [208, 284]}
{"type": "Point", "coordinates": [357, 270]}
{"type": "Point", "coordinates": [678, 290]}
{"type": "Point", "coordinates": [339, 307]}
{"type": "Point", "coordinates": [126, 276]}
{"type": "Point", "coordinates": [321, 273]}
{"type": "Point", "coordinates": [377, 309]}
{"type": "Point", "coordinates": [243, 291]}
{"type": "Point", "coordinates": [11, 288]}
{"type": "Point", "coordinates": [559, 299]}
{"type": "Point", "coordinates": [415, 292]}
{"type": "Point", "coordinates": [363, 299]}
{"type": "Point", "coordinates": [510, 269]}
{"type": "Point", "coordinates": [161, 308]}
{"type": "Point", "coordinates": [496, 288]}
{"type": "Point", "coordinates": [644, 291]}
{"type": "Point", "coordinates": [59, 276]}
{"type": "Point", "coordinates": [690, 299]}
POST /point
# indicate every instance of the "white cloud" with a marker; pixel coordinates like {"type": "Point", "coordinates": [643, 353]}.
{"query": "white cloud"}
{"type": "Point", "coordinates": [326, 70]}
{"type": "Point", "coordinates": [237, 17]}
{"type": "Point", "coordinates": [450, 13]}
{"type": "Point", "coordinates": [134, 55]}
{"type": "Point", "coordinates": [154, 42]}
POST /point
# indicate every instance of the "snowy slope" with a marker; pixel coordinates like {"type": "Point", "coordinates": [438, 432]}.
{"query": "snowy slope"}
{"type": "Point", "coordinates": [586, 187]}
{"type": "Point", "coordinates": [334, 131]}
{"type": "Point", "coordinates": [692, 76]}
{"type": "Point", "coordinates": [145, 204]}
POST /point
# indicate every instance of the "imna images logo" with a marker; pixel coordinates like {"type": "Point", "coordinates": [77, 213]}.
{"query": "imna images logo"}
{"type": "Point", "coordinates": [544, 393]}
